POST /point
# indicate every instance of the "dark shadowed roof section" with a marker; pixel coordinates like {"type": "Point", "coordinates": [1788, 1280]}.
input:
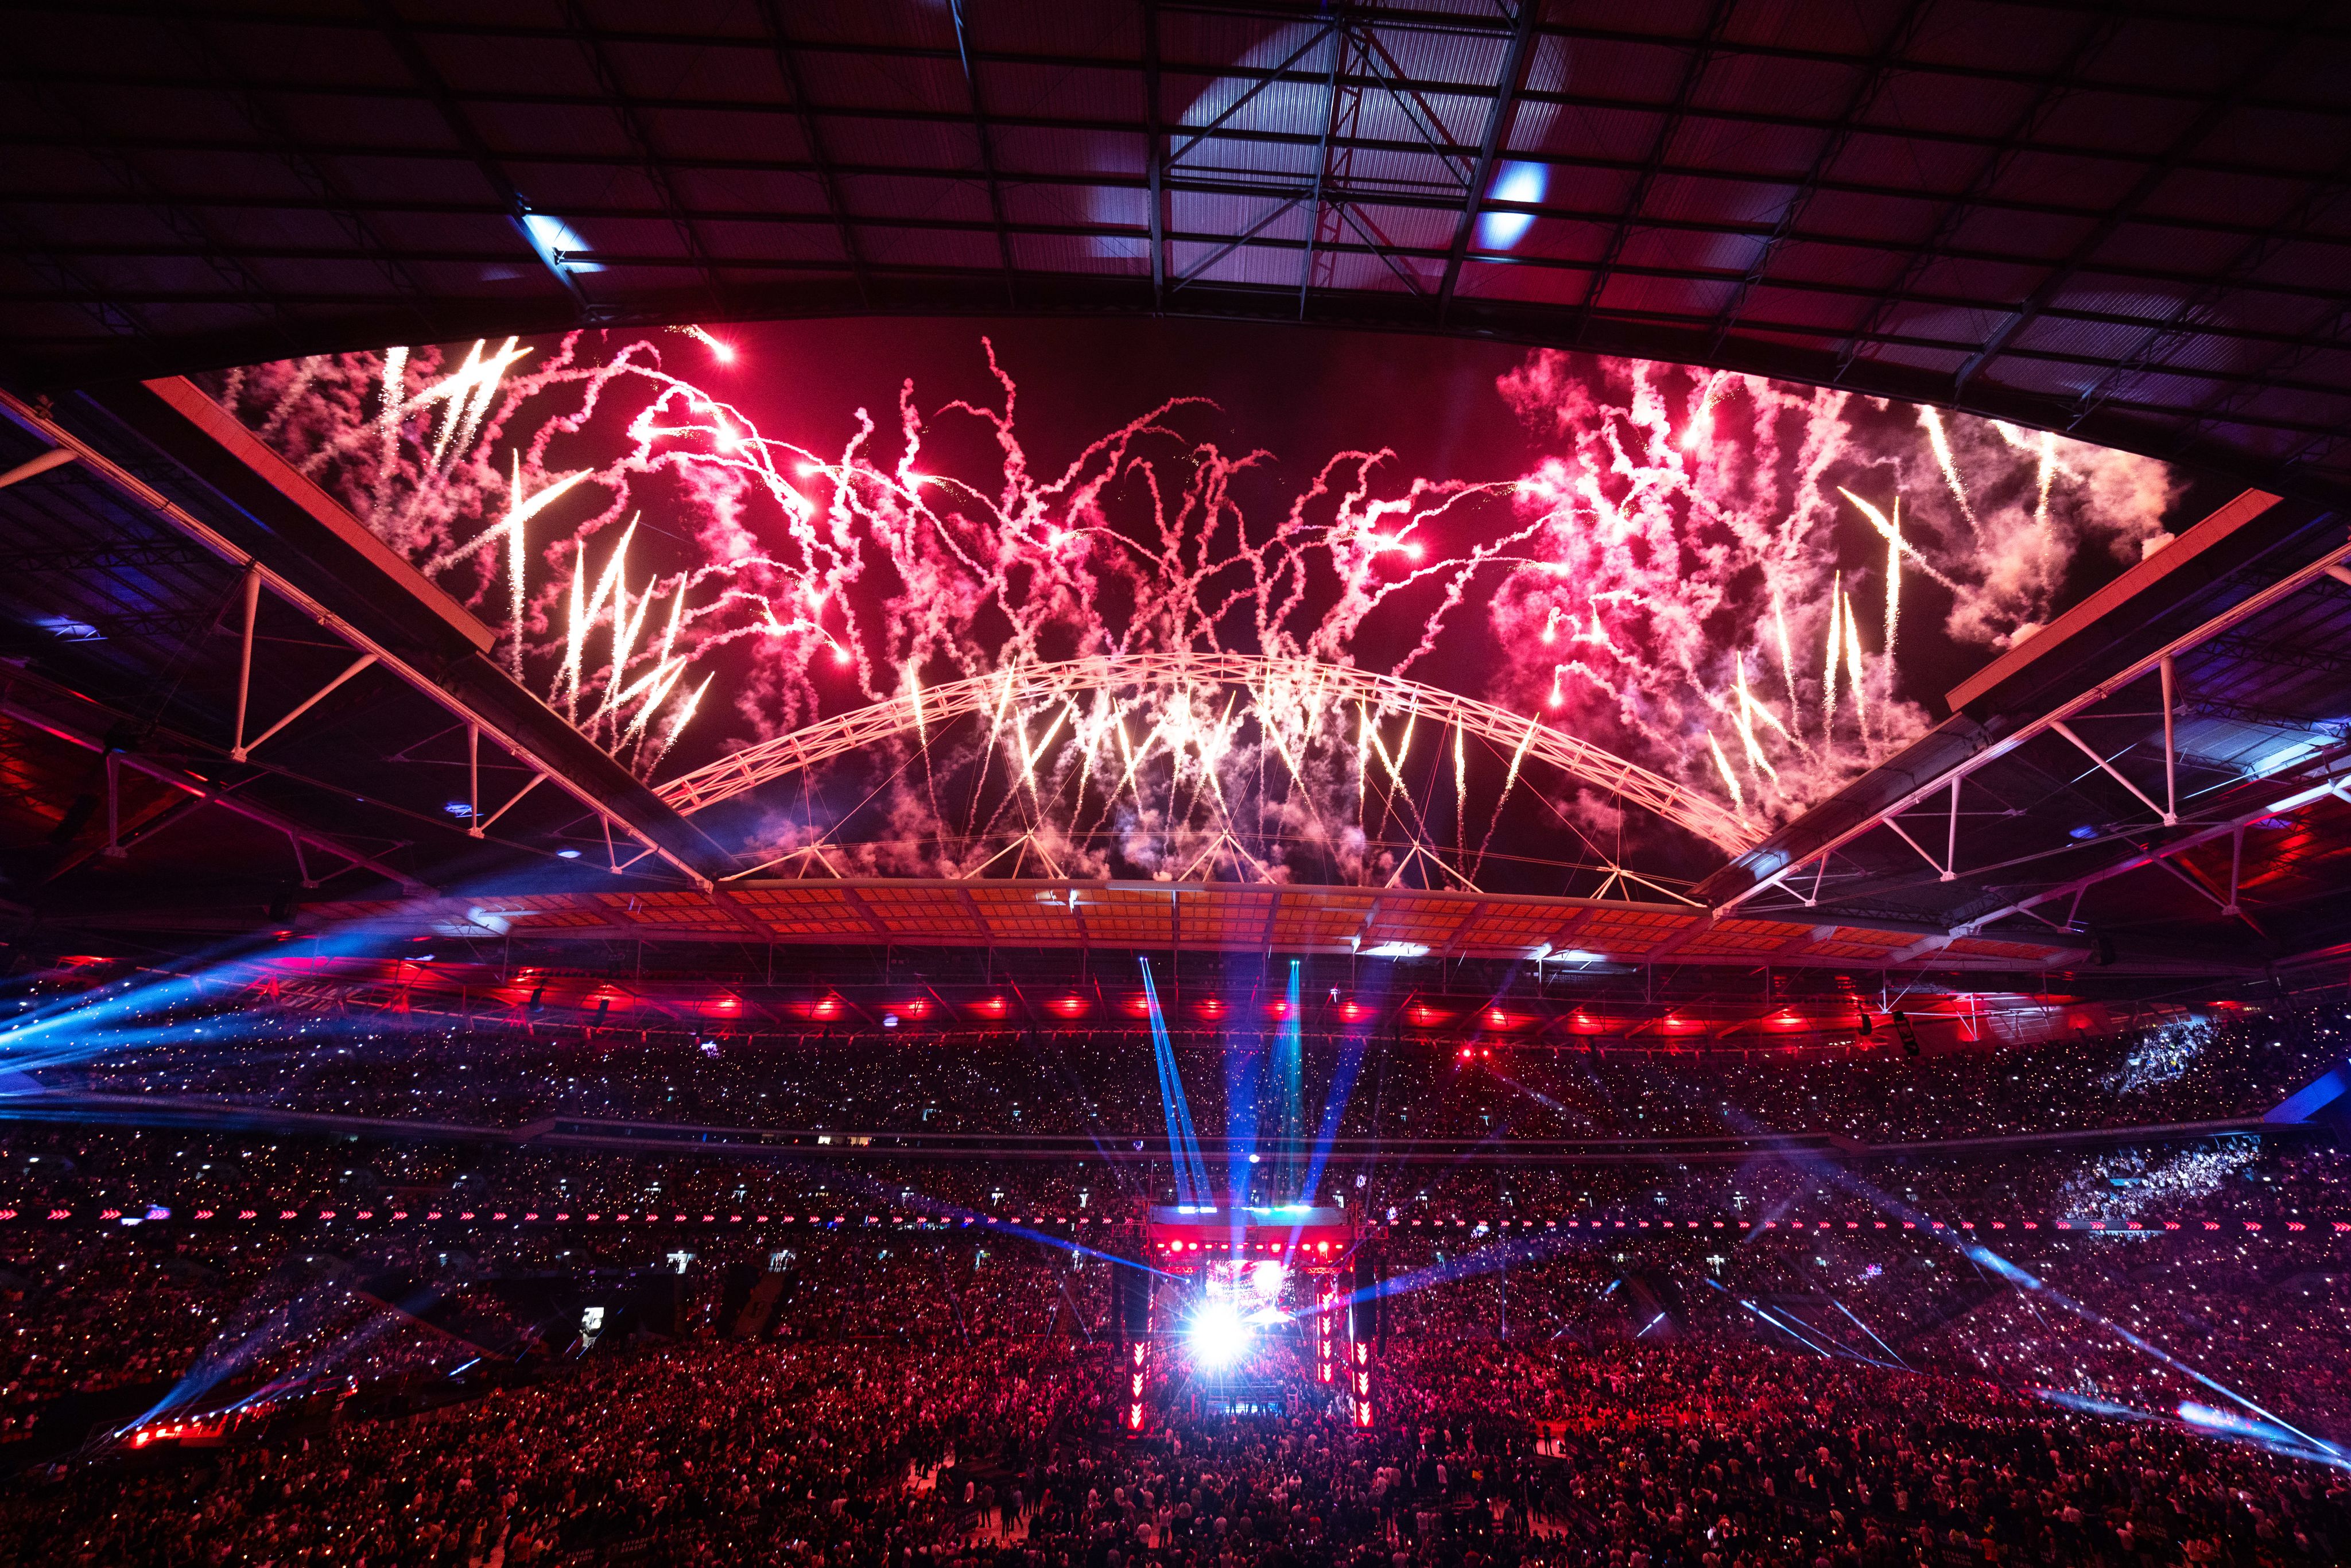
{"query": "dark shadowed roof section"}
{"type": "Point", "coordinates": [2124, 223]}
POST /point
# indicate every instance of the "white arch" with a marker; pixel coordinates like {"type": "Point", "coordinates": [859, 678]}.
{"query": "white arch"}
{"type": "Point", "coordinates": [1307, 682]}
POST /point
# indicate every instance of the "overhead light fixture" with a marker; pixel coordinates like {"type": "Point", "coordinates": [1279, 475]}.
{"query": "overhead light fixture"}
{"type": "Point", "coordinates": [558, 244]}
{"type": "Point", "coordinates": [1523, 183]}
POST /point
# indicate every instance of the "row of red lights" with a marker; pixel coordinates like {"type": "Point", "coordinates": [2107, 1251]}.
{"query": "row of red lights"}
{"type": "Point", "coordinates": [1420, 1015]}
{"type": "Point", "coordinates": [115, 1216]}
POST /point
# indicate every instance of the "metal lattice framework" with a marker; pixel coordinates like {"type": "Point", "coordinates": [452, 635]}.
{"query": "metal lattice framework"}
{"type": "Point", "coordinates": [1309, 684]}
{"type": "Point", "coordinates": [2128, 222]}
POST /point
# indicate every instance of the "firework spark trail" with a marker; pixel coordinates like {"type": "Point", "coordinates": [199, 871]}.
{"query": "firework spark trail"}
{"type": "Point", "coordinates": [1460, 794]}
{"type": "Point", "coordinates": [1828, 672]}
{"type": "Point", "coordinates": [1893, 590]}
{"type": "Point", "coordinates": [1674, 525]}
{"type": "Point", "coordinates": [1939, 442]}
{"type": "Point", "coordinates": [1729, 780]}
{"type": "Point", "coordinates": [387, 419]}
{"type": "Point", "coordinates": [1856, 676]}
{"type": "Point", "coordinates": [1788, 667]}
{"type": "Point", "coordinates": [2048, 471]}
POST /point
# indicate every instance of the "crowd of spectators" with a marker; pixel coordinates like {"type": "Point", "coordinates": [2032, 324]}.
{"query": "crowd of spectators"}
{"type": "Point", "coordinates": [1069, 1082]}
{"type": "Point", "coordinates": [1825, 1354]}
{"type": "Point", "coordinates": [1005, 1448]}
{"type": "Point", "coordinates": [227, 1311]}
{"type": "Point", "coordinates": [2277, 1177]}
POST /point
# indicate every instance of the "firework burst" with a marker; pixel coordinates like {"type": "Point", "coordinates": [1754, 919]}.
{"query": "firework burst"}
{"type": "Point", "coordinates": [1652, 583]}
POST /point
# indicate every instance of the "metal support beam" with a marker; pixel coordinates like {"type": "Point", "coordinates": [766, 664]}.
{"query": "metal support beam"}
{"type": "Point", "coordinates": [54, 457]}
{"type": "Point", "coordinates": [474, 781]}
{"type": "Point", "coordinates": [1951, 837]}
{"type": "Point", "coordinates": [819, 157]}
{"type": "Point", "coordinates": [239, 753]}
{"type": "Point", "coordinates": [105, 558]}
{"type": "Point", "coordinates": [245, 658]}
{"type": "Point", "coordinates": [1900, 833]}
{"type": "Point", "coordinates": [1154, 154]}
{"type": "Point", "coordinates": [1339, 39]}
{"type": "Point", "coordinates": [113, 850]}
{"type": "Point", "coordinates": [2269, 717]}
{"type": "Point", "coordinates": [2236, 825]}
{"type": "Point", "coordinates": [1513, 81]}
{"type": "Point", "coordinates": [64, 729]}
{"type": "Point", "coordinates": [2281, 655]}
{"type": "Point", "coordinates": [2244, 609]}
{"type": "Point", "coordinates": [1702, 55]}
{"type": "Point", "coordinates": [641, 141]}
{"type": "Point", "coordinates": [2150, 180]}
{"type": "Point", "coordinates": [2236, 867]}
{"type": "Point", "coordinates": [987, 152]}
{"type": "Point", "coordinates": [422, 628]}
{"type": "Point", "coordinates": [2112, 772]}
{"type": "Point", "coordinates": [2170, 743]}
{"type": "Point", "coordinates": [1850, 122]}
{"type": "Point", "coordinates": [435, 89]}
{"type": "Point", "coordinates": [512, 801]}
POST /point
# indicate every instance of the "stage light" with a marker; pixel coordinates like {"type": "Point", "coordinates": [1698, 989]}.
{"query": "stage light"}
{"type": "Point", "coordinates": [567, 855]}
{"type": "Point", "coordinates": [2084, 832]}
{"type": "Point", "coordinates": [1218, 1335]}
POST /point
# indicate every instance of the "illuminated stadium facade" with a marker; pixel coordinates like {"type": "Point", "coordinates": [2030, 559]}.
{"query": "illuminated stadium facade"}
{"type": "Point", "coordinates": [1242, 782]}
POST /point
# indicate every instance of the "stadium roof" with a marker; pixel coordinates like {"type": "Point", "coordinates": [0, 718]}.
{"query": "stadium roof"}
{"type": "Point", "coordinates": [2128, 222]}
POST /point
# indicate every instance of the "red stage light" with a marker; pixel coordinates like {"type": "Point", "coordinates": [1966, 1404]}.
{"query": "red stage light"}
{"type": "Point", "coordinates": [1068, 1007]}
{"type": "Point", "coordinates": [993, 1006]}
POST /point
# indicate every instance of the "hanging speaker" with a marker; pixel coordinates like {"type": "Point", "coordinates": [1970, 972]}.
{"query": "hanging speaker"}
{"type": "Point", "coordinates": [1909, 1036]}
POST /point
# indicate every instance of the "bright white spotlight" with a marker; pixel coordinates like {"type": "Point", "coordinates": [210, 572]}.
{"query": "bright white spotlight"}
{"type": "Point", "coordinates": [1218, 1336]}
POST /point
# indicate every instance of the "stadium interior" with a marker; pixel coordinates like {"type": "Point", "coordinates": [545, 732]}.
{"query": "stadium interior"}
{"type": "Point", "coordinates": [1683, 672]}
